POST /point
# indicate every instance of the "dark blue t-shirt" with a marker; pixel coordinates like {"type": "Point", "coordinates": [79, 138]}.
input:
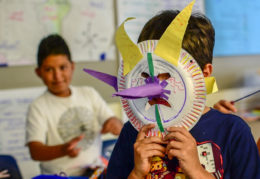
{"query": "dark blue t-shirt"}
{"type": "Point", "coordinates": [229, 137]}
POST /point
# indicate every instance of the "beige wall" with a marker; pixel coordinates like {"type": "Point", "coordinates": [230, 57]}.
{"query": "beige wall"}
{"type": "Point", "coordinates": [227, 70]}
{"type": "Point", "coordinates": [24, 76]}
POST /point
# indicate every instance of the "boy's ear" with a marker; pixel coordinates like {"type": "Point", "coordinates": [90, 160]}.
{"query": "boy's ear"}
{"type": "Point", "coordinates": [207, 70]}
{"type": "Point", "coordinates": [38, 72]}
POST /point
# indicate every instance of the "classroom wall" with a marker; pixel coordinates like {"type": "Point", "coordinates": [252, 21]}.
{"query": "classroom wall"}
{"type": "Point", "coordinates": [229, 72]}
{"type": "Point", "coordinates": [24, 76]}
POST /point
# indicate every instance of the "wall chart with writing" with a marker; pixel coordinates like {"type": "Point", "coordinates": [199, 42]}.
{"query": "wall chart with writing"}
{"type": "Point", "coordinates": [13, 109]}
{"type": "Point", "coordinates": [236, 25]}
{"type": "Point", "coordinates": [143, 10]}
{"type": "Point", "coordinates": [81, 22]}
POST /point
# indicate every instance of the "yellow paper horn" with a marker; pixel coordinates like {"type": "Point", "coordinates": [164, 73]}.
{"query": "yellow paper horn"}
{"type": "Point", "coordinates": [130, 52]}
{"type": "Point", "coordinates": [170, 44]}
{"type": "Point", "coordinates": [211, 85]}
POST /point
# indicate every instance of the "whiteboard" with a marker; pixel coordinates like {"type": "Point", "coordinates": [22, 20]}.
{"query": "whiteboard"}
{"type": "Point", "coordinates": [236, 24]}
{"type": "Point", "coordinates": [87, 26]}
{"type": "Point", "coordinates": [143, 10]}
{"type": "Point", "coordinates": [13, 109]}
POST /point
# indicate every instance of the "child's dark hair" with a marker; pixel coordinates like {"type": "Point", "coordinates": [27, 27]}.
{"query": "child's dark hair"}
{"type": "Point", "coordinates": [53, 44]}
{"type": "Point", "coordinates": [199, 38]}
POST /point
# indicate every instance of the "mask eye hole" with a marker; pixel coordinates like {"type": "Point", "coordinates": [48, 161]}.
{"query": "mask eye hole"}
{"type": "Point", "coordinates": [145, 75]}
{"type": "Point", "coordinates": [163, 76]}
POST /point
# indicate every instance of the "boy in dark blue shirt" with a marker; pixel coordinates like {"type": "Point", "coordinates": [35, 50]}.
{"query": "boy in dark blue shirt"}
{"type": "Point", "coordinates": [218, 146]}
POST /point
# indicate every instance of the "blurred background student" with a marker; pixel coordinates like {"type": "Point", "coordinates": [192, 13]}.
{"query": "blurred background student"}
{"type": "Point", "coordinates": [64, 124]}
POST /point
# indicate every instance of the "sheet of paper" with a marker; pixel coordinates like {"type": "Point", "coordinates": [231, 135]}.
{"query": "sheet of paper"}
{"type": "Point", "coordinates": [143, 10]}
{"type": "Point", "coordinates": [13, 109]}
{"type": "Point", "coordinates": [236, 25]}
{"type": "Point", "coordinates": [87, 26]}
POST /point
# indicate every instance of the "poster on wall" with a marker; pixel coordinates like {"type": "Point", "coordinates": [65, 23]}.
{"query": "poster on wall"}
{"type": "Point", "coordinates": [143, 10]}
{"type": "Point", "coordinates": [81, 22]}
{"type": "Point", "coordinates": [13, 108]}
{"type": "Point", "coordinates": [236, 26]}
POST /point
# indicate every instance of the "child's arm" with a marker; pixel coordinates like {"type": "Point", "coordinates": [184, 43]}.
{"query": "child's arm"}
{"type": "Point", "coordinates": [225, 106]}
{"type": "Point", "coordinates": [42, 152]}
{"type": "Point", "coordinates": [112, 125]}
{"type": "Point", "coordinates": [144, 149]}
{"type": "Point", "coordinates": [183, 146]}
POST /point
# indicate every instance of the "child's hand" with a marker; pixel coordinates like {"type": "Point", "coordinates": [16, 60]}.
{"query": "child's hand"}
{"type": "Point", "coordinates": [71, 148]}
{"type": "Point", "coordinates": [112, 125]}
{"type": "Point", "coordinates": [225, 106]}
{"type": "Point", "coordinates": [144, 149]}
{"type": "Point", "coordinates": [183, 146]}
{"type": "Point", "coordinates": [4, 174]}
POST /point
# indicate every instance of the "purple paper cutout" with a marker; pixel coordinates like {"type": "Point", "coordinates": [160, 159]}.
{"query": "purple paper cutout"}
{"type": "Point", "coordinates": [108, 79]}
{"type": "Point", "coordinates": [164, 83]}
{"type": "Point", "coordinates": [147, 90]}
{"type": "Point", "coordinates": [153, 88]}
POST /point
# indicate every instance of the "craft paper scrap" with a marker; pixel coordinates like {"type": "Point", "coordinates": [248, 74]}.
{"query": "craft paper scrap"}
{"type": "Point", "coordinates": [170, 44]}
{"type": "Point", "coordinates": [108, 79]}
{"type": "Point", "coordinates": [211, 85]}
{"type": "Point", "coordinates": [130, 52]}
{"type": "Point", "coordinates": [148, 90]}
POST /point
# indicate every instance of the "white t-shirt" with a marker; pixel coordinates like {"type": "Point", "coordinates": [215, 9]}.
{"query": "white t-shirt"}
{"type": "Point", "coordinates": [55, 120]}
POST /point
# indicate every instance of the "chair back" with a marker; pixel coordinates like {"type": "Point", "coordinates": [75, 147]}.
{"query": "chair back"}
{"type": "Point", "coordinates": [8, 162]}
{"type": "Point", "coordinates": [107, 148]}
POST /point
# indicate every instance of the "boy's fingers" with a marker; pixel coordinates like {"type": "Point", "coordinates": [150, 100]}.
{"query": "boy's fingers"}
{"type": "Point", "coordinates": [181, 130]}
{"type": "Point", "coordinates": [174, 136]}
{"type": "Point", "coordinates": [225, 106]}
{"type": "Point", "coordinates": [224, 109]}
{"type": "Point", "coordinates": [154, 139]}
{"type": "Point", "coordinates": [73, 143]}
{"type": "Point", "coordinates": [230, 106]}
{"type": "Point", "coordinates": [145, 129]}
{"type": "Point", "coordinates": [79, 138]}
{"type": "Point", "coordinates": [4, 171]}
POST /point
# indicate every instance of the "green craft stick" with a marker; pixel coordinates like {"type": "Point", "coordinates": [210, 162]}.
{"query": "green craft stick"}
{"type": "Point", "coordinates": [151, 70]}
{"type": "Point", "coordinates": [158, 118]}
{"type": "Point", "coordinates": [150, 65]}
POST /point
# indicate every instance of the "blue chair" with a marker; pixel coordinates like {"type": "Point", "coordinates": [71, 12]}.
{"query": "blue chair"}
{"type": "Point", "coordinates": [107, 148]}
{"type": "Point", "coordinates": [8, 162]}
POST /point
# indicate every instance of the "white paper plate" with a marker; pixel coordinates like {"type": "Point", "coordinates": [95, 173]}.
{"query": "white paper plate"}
{"type": "Point", "coordinates": [186, 83]}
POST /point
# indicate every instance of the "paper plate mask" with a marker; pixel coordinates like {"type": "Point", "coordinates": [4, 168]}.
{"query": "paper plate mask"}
{"type": "Point", "coordinates": [182, 95]}
{"type": "Point", "coordinates": [158, 81]}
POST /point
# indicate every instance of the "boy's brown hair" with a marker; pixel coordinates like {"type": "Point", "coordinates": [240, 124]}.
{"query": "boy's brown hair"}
{"type": "Point", "coordinates": [199, 38]}
{"type": "Point", "coordinates": [53, 44]}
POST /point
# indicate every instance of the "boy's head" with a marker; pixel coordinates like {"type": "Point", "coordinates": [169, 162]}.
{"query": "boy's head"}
{"type": "Point", "coordinates": [198, 40]}
{"type": "Point", "coordinates": [55, 66]}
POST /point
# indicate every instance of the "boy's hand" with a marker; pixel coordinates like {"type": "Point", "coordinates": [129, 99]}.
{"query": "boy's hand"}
{"type": "Point", "coordinates": [112, 125]}
{"type": "Point", "coordinates": [70, 148]}
{"type": "Point", "coordinates": [225, 106]}
{"type": "Point", "coordinates": [183, 146]}
{"type": "Point", "coordinates": [144, 149]}
{"type": "Point", "coordinates": [4, 174]}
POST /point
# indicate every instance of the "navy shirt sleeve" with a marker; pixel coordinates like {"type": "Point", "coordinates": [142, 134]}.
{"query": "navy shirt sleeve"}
{"type": "Point", "coordinates": [244, 156]}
